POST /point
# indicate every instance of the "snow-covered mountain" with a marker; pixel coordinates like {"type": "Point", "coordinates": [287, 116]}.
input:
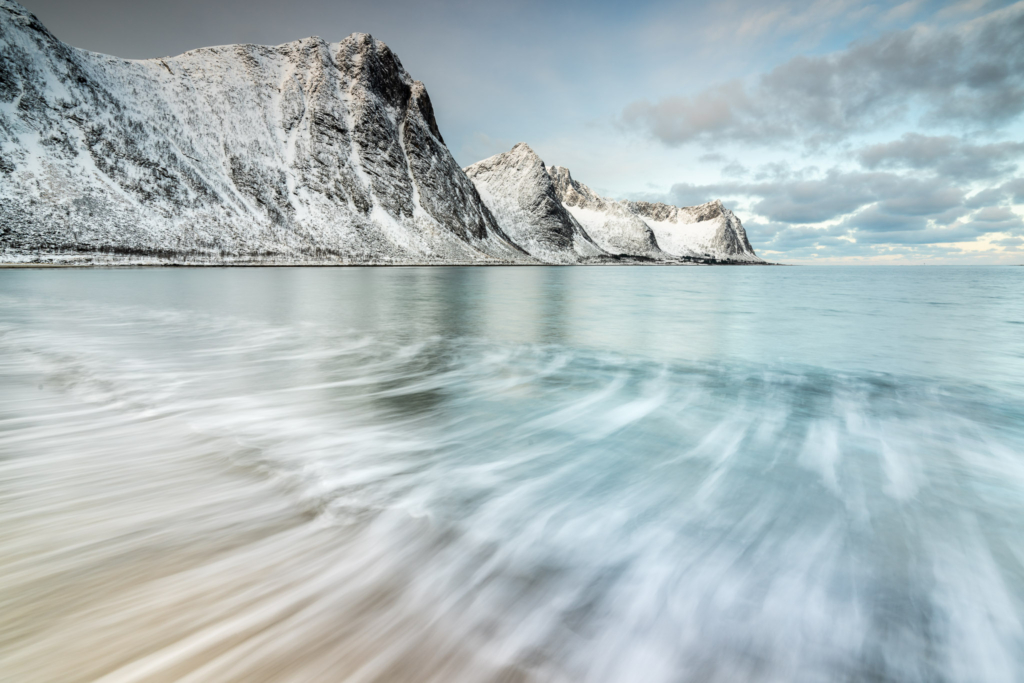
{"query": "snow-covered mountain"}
{"type": "Point", "coordinates": [706, 231]}
{"type": "Point", "coordinates": [519, 191]}
{"type": "Point", "coordinates": [309, 151]}
{"type": "Point", "coordinates": [613, 225]}
{"type": "Point", "coordinates": [540, 200]}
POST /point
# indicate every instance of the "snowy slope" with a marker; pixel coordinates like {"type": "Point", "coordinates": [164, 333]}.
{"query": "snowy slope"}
{"type": "Point", "coordinates": [520, 193]}
{"type": "Point", "coordinates": [612, 225]}
{"type": "Point", "coordinates": [307, 151]}
{"type": "Point", "coordinates": [709, 230]}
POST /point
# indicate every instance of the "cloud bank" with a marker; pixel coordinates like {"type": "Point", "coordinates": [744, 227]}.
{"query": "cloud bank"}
{"type": "Point", "coordinates": [970, 76]}
{"type": "Point", "coordinates": [919, 131]}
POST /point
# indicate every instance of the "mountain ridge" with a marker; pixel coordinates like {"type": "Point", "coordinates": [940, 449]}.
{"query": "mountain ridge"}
{"type": "Point", "coordinates": [516, 184]}
{"type": "Point", "coordinates": [305, 152]}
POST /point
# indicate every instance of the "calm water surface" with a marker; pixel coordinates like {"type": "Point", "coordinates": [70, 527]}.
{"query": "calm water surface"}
{"type": "Point", "coordinates": [512, 474]}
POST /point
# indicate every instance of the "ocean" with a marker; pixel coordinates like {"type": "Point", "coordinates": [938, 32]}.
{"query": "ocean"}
{"type": "Point", "coordinates": [614, 474]}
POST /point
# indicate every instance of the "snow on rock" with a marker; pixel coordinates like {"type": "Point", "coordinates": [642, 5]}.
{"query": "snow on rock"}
{"type": "Point", "coordinates": [549, 213]}
{"type": "Point", "coordinates": [519, 191]}
{"type": "Point", "coordinates": [305, 152]}
{"type": "Point", "coordinates": [706, 231]}
{"type": "Point", "coordinates": [308, 152]}
{"type": "Point", "coordinates": [611, 224]}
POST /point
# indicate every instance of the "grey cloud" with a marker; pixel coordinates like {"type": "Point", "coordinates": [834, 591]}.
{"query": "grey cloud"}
{"type": "Point", "coordinates": [874, 226]}
{"type": "Point", "coordinates": [947, 156]}
{"type": "Point", "coordinates": [986, 197]}
{"type": "Point", "coordinates": [787, 238]}
{"type": "Point", "coordinates": [916, 198]}
{"type": "Point", "coordinates": [717, 112]}
{"type": "Point", "coordinates": [795, 199]}
{"type": "Point", "coordinates": [994, 214]}
{"type": "Point", "coordinates": [711, 157]}
{"type": "Point", "coordinates": [878, 210]}
{"type": "Point", "coordinates": [687, 194]}
{"type": "Point", "coordinates": [811, 201]}
{"type": "Point", "coordinates": [949, 216]}
{"type": "Point", "coordinates": [1012, 224]}
{"type": "Point", "coordinates": [876, 219]}
{"type": "Point", "coordinates": [971, 76]}
{"type": "Point", "coordinates": [1012, 191]}
{"type": "Point", "coordinates": [780, 170]}
{"type": "Point", "coordinates": [927, 236]}
{"type": "Point", "coordinates": [734, 169]}
{"type": "Point", "coordinates": [1015, 189]}
{"type": "Point", "coordinates": [785, 198]}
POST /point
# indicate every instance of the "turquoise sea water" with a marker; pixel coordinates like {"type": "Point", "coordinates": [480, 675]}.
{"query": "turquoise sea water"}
{"type": "Point", "coordinates": [477, 474]}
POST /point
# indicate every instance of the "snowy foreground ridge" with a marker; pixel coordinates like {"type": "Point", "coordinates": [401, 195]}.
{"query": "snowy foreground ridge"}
{"type": "Point", "coordinates": [308, 152]}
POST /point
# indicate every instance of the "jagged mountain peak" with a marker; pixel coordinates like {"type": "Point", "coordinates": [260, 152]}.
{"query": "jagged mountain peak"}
{"type": "Point", "coordinates": [17, 9]}
{"type": "Point", "coordinates": [652, 230]}
{"type": "Point", "coordinates": [571, 191]}
{"type": "Point", "coordinates": [524, 149]}
{"type": "Point", "coordinates": [517, 188]}
{"type": "Point", "coordinates": [305, 151]}
{"type": "Point", "coordinates": [520, 156]}
{"type": "Point", "coordinates": [668, 212]}
{"type": "Point", "coordinates": [611, 224]}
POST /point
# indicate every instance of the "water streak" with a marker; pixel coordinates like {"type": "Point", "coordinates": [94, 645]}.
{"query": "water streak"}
{"type": "Point", "coordinates": [192, 495]}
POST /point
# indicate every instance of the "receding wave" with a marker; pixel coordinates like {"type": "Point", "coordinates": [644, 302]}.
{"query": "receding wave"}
{"type": "Point", "coordinates": [192, 498]}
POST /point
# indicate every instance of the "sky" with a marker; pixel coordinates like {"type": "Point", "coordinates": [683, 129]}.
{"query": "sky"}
{"type": "Point", "coordinates": [839, 131]}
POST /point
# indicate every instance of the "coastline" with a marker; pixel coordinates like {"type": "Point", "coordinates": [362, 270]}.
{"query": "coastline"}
{"type": "Point", "coordinates": [171, 263]}
{"type": "Point", "coordinates": [84, 266]}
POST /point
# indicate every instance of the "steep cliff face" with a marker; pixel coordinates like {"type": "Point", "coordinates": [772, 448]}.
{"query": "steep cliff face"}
{"type": "Point", "coordinates": [611, 224]}
{"type": "Point", "coordinates": [302, 152]}
{"type": "Point", "coordinates": [519, 191]}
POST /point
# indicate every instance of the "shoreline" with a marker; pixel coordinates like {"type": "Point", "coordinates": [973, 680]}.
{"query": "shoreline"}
{"type": "Point", "coordinates": [126, 266]}
{"type": "Point", "coordinates": [412, 264]}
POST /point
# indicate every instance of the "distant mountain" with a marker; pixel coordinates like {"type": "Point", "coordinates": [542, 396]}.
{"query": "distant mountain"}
{"type": "Point", "coordinates": [709, 230]}
{"type": "Point", "coordinates": [545, 201]}
{"type": "Point", "coordinates": [308, 152]}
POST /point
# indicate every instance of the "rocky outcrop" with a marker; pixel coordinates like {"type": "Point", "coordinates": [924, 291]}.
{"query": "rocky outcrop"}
{"type": "Point", "coordinates": [550, 214]}
{"type": "Point", "coordinates": [309, 151]}
{"type": "Point", "coordinates": [708, 230]}
{"type": "Point", "coordinates": [611, 224]}
{"type": "Point", "coordinates": [519, 191]}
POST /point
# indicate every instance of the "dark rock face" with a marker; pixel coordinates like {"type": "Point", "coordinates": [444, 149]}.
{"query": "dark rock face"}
{"type": "Point", "coordinates": [301, 152]}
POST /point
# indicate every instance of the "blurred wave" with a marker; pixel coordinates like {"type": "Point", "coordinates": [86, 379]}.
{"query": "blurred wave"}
{"type": "Point", "coordinates": [195, 497]}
